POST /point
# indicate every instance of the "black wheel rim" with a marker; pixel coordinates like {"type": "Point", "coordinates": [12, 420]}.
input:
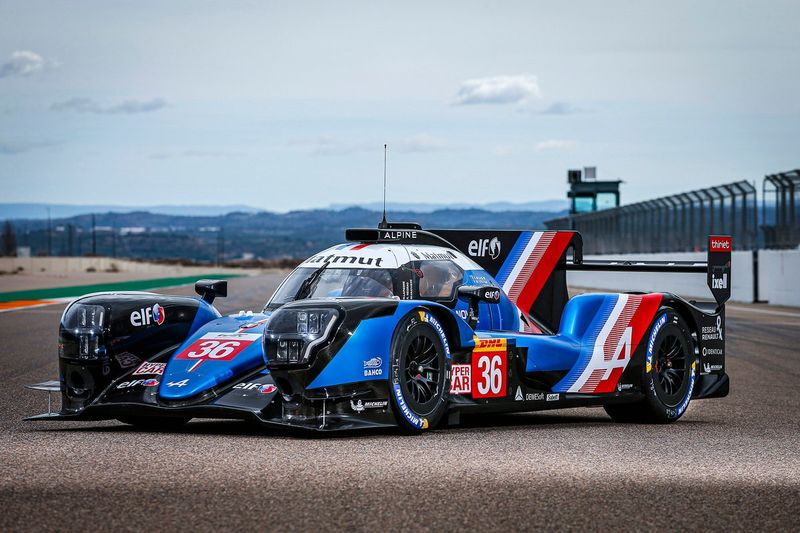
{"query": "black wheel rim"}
{"type": "Point", "coordinates": [422, 371]}
{"type": "Point", "coordinates": [670, 365]}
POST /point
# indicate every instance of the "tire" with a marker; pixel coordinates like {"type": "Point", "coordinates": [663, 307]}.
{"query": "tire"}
{"type": "Point", "coordinates": [154, 422]}
{"type": "Point", "coordinates": [668, 373]}
{"type": "Point", "coordinates": [420, 364]}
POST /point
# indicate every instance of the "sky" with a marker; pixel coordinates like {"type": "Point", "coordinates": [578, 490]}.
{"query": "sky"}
{"type": "Point", "coordinates": [287, 105]}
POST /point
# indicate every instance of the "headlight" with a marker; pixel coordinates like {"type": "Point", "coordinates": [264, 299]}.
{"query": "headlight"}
{"type": "Point", "coordinates": [81, 333]}
{"type": "Point", "coordinates": [291, 334]}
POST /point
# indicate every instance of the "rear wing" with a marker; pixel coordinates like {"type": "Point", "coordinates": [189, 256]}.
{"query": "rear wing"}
{"type": "Point", "coordinates": [531, 266]}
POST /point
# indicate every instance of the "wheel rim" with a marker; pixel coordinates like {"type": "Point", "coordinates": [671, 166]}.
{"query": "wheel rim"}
{"type": "Point", "coordinates": [422, 370]}
{"type": "Point", "coordinates": [670, 365]}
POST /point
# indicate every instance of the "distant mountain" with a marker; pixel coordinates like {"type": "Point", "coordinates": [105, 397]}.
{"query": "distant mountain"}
{"type": "Point", "coordinates": [541, 205]}
{"type": "Point", "coordinates": [295, 234]}
{"type": "Point", "coordinates": [39, 211]}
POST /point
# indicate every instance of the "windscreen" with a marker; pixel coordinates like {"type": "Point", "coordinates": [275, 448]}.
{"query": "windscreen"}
{"type": "Point", "coordinates": [336, 282]}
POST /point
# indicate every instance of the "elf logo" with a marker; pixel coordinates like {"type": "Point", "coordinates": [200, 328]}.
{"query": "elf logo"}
{"type": "Point", "coordinates": [484, 247]}
{"type": "Point", "coordinates": [148, 315]}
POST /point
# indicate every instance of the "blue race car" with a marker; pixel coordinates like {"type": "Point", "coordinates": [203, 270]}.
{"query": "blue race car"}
{"type": "Point", "coordinates": [401, 327]}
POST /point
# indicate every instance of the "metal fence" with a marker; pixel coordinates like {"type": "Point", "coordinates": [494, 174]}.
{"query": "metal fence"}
{"type": "Point", "coordinates": [780, 209]}
{"type": "Point", "coordinates": [677, 223]}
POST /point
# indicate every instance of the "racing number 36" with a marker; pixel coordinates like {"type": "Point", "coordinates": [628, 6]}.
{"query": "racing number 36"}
{"type": "Point", "coordinates": [218, 346]}
{"type": "Point", "coordinates": [214, 349]}
{"type": "Point", "coordinates": [489, 363]}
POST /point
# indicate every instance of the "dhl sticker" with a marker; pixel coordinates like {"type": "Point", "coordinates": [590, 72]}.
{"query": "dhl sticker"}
{"type": "Point", "coordinates": [491, 345]}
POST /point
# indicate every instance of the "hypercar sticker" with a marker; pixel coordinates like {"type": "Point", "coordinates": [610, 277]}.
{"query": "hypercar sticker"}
{"type": "Point", "coordinates": [461, 379]}
{"type": "Point", "coordinates": [147, 368]}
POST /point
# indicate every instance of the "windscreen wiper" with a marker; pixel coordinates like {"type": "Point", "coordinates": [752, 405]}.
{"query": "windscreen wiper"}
{"type": "Point", "coordinates": [307, 287]}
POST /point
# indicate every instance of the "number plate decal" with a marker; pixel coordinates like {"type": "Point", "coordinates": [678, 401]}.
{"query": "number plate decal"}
{"type": "Point", "coordinates": [489, 368]}
{"type": "Point", "coordinates": [217, 347]}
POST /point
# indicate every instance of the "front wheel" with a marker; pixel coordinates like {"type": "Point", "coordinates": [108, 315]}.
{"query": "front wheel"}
{"type": "Point", "coordinates": [419, 375]}
{"type": "Point", "coordinates": [668, 374]}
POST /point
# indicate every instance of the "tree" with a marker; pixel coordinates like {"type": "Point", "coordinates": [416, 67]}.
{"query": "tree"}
{"type": "Point", "coordinates": [9, 240]}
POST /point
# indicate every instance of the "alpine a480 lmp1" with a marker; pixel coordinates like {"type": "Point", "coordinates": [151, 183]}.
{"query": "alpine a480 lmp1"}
{"type": "Point", "coordinates": [400, 326]}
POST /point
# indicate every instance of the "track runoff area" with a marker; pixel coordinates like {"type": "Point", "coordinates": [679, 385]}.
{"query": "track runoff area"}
{"type": "Point", "coordinates": [730, 463]}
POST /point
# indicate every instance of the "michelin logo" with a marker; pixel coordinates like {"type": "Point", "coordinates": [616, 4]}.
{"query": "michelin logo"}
{"type": "Point", "coordinates": [414, 420]}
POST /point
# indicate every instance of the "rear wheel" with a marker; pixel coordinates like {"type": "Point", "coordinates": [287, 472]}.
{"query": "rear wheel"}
{"type": "Point", "coordinates": [668, 374]}
{"type": "Point", "coordinates": [155, 423]}
{"type": "Point", "coordinates": [419, 372]}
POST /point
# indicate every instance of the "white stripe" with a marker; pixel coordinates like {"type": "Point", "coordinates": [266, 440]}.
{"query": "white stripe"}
{"type": "Point", "coordinates": [523, 258]}
{"type": "Point", "coordinates": [598, 355]}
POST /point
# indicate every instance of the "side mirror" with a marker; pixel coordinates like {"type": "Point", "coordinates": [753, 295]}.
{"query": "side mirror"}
{"type": "Point", "coordinates": [487, 293]}
{"type": "Point", "coordinates": [475, 294]}
{"type": "Point", "coordinates": [211, 288]}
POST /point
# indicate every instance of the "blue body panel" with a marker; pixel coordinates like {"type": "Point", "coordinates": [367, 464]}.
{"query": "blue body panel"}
{"type": "Point", "coordinates": [185, 378]}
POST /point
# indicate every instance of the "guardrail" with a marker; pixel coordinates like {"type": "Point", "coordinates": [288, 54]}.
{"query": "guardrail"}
{"type": "Point", "coordinates": [677, 223]}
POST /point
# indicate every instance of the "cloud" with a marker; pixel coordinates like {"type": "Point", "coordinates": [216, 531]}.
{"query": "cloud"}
{"type": "Point", "coordinates": [24, 63]}
{"type": "Point", "coordinates": [195, 153]}
{"type": "Point", "coordinates": [418, 143]}
{"type": "Point", "coordinates": [20, 147]}
{"type": "Point", "coordinates": [87, 105]}
{"type": "Point", "coordinates": [498, 90]}
{"type": "Point", "coordinates": [422, 142]}
{"type": "Point", "coordinates": [560, 108]}
{"type": "Point", "coordinates": [555, 144]}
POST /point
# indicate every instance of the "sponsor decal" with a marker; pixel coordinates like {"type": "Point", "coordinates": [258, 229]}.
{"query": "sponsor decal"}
{"type": "Point", "coordinates": [345, 259]}
{"type": "Point", "coordinates": [720, 244]}
{"type": "Point", "coordinates": [437, 256]}
{"type": "Point", "coordinates": [461, 379]}
{"type": "Point", "coordinates": [373, 367]}
{"type": "Point", "coordinates": [535, 396]}
{"type": "Point", "coordinates": [413, 419]}
{"type": "Point", "coordinates": [430, 319]}
{"type": "Point", "coordinates": [217, 347]}
{"type": "Point", "coordinates": [181, 383]}
{"type": "Point", "coordinates": [361, 405]}
{"type": "Point", "coordinates": [624, 386]}
{"type": "Point", "coordinates": [708, 368]}
{"type": "Point", "coordinates": [675, 413]}
{"type": "Point", "coordinates": [518, 396]}
{"type": "Point", "coordinates": [127, 359]}
{"type": "Point", "coordinates": [552, 397]}
{"type": "Point", "coordinates": [484, 247]}
{"type": "Point", "coordinates": [399, 234]}
{"type": "Point", "coordinates": [648, 358]}
{"type": "Point", "coordinates": [263, 388]}
{"type": "Point", "coordinates": [136, 382]}
{"type": "Point", "coordinates": [148, 315]}
{"type": "Point", "coordinates": [719, 280]}
{"type": "Point", "coordinates": [490, 363]}
{"type": "Point", "coordinates": [147, 368]}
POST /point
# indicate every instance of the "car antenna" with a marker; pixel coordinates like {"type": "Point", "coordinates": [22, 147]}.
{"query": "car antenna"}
{"type": "Point", "coordinates": [384, 224]}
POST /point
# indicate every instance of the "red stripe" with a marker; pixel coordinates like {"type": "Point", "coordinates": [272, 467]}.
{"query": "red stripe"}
{"type": "Point", "coordinates": [645, 309]}
{"type": "Point", "coordinates": [543, 269]}
{"type": "Point", "coordinates": [360, 246]}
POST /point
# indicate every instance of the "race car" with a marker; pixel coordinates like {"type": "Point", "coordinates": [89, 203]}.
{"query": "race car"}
{"type": "Point", "coordinates": [404, 327]}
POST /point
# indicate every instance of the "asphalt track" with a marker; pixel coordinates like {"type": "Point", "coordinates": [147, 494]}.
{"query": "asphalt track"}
{"type": "Point", "coordinates": [728, 464]}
